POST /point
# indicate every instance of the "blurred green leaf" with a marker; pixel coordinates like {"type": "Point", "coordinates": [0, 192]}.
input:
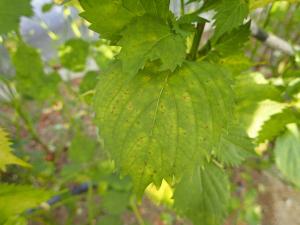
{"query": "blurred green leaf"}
{"type": "Point", "coordinates": [287, 154]}
{"type": "Point", "coordinates": [73, 54]}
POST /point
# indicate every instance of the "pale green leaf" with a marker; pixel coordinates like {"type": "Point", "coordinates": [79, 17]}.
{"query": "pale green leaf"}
{"type": "Point", "coordinates": [11, 12]}
{"type": "Point", "coordinates": [158, 124]}
{"type": "Point", "coordinates": [203, 196]}
{"type": "Point", "coordinates": [276, 124]}
{"type": "Point", "coordinates": [17, 199]}
{"type": "Point", "coordinates": [287, 154]}
{"type": "Point", "coordinates": [6, 156]}
{"type": "Point", "coordinates": [149, 38]}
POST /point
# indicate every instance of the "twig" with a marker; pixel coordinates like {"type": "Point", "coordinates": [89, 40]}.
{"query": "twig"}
{"type": "Point", "coordinates": [272, 40]}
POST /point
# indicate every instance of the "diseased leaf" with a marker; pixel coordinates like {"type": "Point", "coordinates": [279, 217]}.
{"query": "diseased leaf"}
{"type": "Point", "coordinates": [158, 124]}
{"type": "Point", "coordinates": [16, 199]}
{"type": "Point", "coordinates": [6, 156]}
{"type": "Point", "coordinates": [230, 15]}
{"type": "Point", "coordinates": [11, 12]}
{"type": "Point", "coordinates": [203, 196]}
{"type": "Point", "coordinates": [276, 124]}
{"type": "Point", "coordinates": [149, 38]}
{"type": "Point", "coordinates": [287, 154]}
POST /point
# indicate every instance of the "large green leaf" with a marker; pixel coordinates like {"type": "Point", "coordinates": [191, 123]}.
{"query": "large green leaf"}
{"type": "Point", "coordinates": [157, 124]}
{"type": "Point", "coordinates": [16, 199]}
{"type": "Point", "coordinates": [6, 156]}
{"type": "Point", "coordinates": [203, 196]}
{"type": "Point", "coordinates": [149, 38]}
{"type": "Point", "coordinates": [11, 12]}
{"type": "Point", "coordinates": [287, 154]}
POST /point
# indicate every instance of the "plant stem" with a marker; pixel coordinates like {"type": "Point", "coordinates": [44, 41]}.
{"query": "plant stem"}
{"type": "Point", "coordinates": [182, 9]}
{"type": "Point", "coordinates": [136, 212]}
{"type": "Point", "coordinates": [196, 41]}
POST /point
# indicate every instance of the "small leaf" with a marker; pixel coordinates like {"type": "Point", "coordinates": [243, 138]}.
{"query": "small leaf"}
{"type": "Point", "coordinates": [276, 124]}
{"type": "Point", "coordinates": [6, 156]}
{"type": "Point", "coordinates": [148, 39]}
{"type": "Point", "coordinates": [115, 202]}
{"type": "Point", "coordinates": [230, 15]}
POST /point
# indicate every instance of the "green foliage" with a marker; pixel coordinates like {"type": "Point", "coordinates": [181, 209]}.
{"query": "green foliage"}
{"type": "Point", "coordinates": [6, 156]}
{"type": "Point", "coordinates": [203, 195]}
{"type": "Point", "coordinates": [11, 12]}
{"type": "Point", "coordinates": [287, 154]}
{"type": "Point", "coordinates": [230, 15]}
{"type": "Point", "coordinates": [177, 117]}
{"type": "Point", "coordinates": [277, 124]}
{"type": "Point", "coordinates": [30, 73]}
{"type": "Point", "coordinates": [16, 199]}
{"type": "Point", "coordinates": [149, 38]}
{"type": "Point", "coordinates": [73, 54]}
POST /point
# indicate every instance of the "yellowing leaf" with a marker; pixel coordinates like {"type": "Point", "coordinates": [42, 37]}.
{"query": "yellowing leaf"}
{"type": "Point", "coordinates": [158, 124]}
{"type": "Point", "coordinates": [6, 156]}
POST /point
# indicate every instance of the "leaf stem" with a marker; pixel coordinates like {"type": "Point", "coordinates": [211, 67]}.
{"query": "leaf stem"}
{"type": "Point", "coordinates": [136, 211]}
{"type": "Point", "coordinates": [182, 9]}
{"type": "Point", "coordinates": [196, 41]}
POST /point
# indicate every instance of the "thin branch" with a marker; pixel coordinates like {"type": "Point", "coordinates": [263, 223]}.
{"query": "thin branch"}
{"type": "Point", "coordinates": [272, 40]}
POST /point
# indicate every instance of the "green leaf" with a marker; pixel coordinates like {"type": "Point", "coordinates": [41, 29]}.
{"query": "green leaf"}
{"type": "Point", "coordinates": [73, 54]}
{"type": "Point", "coordinates": [287, 154]}
{"type": "Point", "coordinates": [230, 15]}
{"type": "Point", "coordinates": [109, 17]}
{"type": "Point", "coordinates": [158, 124]}
{"type": "Point", "coordinates": [235, 147]}
{"type": "Point", "coordinates": [237, 38]}
{"type": "Point", "coordinates": [6, 156]}
{"type": "Point", "coordinates": [17, 199]}
{"type": "Point", "coordinates": [11, 12]}
{"type": "Point", "coordinates": [203, 196]}
{"type": "Point", "coordinates": [276, 124]}
{"type": "Point", "coordinates": [31, 81]}
{"type": "Point", "coordinates": [149, 38]}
